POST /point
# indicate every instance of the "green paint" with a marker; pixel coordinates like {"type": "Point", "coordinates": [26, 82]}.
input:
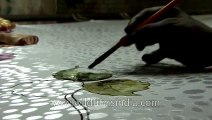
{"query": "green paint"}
{"type": "Point", "coordinates": [81, 74]}
{"type": "Point", "coordinates": [9, 1]}
{"type": "Point", "coordinates": [8, 10]}
{"type": "Point", "coordinates": [112, 87]}
{"type": "Point", "coordinates": [116, 87]}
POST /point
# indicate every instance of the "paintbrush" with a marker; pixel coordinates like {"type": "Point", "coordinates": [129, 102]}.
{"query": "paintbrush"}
{"type": "Point", "coordinates": [124, 39]}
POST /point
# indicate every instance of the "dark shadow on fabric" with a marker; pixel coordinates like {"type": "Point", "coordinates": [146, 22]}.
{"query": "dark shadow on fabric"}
{"type": "Point", "coordinates": [163, 69]}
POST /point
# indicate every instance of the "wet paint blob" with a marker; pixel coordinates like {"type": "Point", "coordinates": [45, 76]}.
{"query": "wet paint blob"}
{"type": "Point", "coordinates": [82, 74]}
{"type": "Point", "coordinates": [116, 87]}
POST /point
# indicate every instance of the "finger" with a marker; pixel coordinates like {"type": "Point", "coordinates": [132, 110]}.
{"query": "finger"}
{"type": "Point", "coordinates": [153, 33]}
{"type": "Point", "coordinates": [154, 57]}
{"type": "Point", "coordinates": [140, 17]}
{"type": "Point", "coordinates": [146, 13]}
{"type": "Point", "coordinates": [127, 41]}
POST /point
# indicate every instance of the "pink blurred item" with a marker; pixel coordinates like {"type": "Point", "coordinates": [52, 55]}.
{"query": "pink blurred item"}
{"type": "Point", "coordinates": [6, 56]}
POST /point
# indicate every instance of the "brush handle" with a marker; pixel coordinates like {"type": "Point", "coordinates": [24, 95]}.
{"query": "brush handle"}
{"type": "Point", "coordinates": [105, 55]}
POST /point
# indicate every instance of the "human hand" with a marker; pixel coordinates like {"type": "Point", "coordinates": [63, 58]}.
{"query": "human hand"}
{"type": "Point", "coordinates": [180, 37]}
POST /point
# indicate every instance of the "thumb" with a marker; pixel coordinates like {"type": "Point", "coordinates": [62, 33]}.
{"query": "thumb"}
{"type": "Point", "coordinates": [153, 57]}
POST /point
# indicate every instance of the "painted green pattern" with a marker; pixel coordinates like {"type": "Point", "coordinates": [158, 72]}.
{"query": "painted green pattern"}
{"type": "Point", "coordinates": [91, 83]}
{"type": "Point", "coordinates": [81, 74]}
{"type": "Point", "coordinates": [116, 87]}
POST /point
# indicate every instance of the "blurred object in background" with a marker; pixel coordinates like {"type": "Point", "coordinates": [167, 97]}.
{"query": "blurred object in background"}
{"type": "Point", "coordinates": [94, 9]}
{"type": "Point", "coordinates": [28, 7]}
{"type": "Point", "coordinates": [6, 25]}
{"type": "Point", "coordinates": [73, 3]}
{"type": "Point", "coordinates": [81, 10]}
{"type": "Point", "coordinates": [27, 10]}
{"type": "Point", "coordinates": [123, 9]}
